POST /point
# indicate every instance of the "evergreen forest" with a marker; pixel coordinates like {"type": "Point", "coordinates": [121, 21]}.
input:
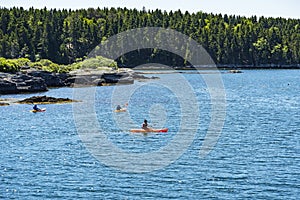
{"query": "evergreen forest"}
{"type": "Point", "coordinates": [68, 36]}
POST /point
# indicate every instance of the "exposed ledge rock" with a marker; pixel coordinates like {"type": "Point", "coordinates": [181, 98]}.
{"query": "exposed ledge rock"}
{"type": "Point", "coordinates": [51, 79]}
{"type": "Point", "coordinates": [45, 100]}
{"type": "Point", "coordinates": [235, 71]}
{"type": "Point", "coordinates": [4, 104]}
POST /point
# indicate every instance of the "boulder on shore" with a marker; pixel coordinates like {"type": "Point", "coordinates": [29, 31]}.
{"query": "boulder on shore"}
{"type": "Point", "coordinates": [7, 87]}
{"type": "Point", "coordinates": [21, 83]}
{"type": "Point", "coordinates": [91, 77]}
{"type": "Point", "coordinates": [51, 79]}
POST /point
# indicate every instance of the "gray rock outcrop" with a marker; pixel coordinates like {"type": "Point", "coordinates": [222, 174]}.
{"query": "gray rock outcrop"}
{"type": "Point", "coordinates": [37, 81]}
{"type": "Point", "coordinates": [7, 87]}
{"type": "Point", "coordinates": [19, 83]}
{"type": "Point", "coordinates": [51, 79]}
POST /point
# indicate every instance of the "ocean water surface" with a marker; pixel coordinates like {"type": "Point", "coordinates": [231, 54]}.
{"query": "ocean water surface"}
{"type": "Point", "coordinates": [257, 156]}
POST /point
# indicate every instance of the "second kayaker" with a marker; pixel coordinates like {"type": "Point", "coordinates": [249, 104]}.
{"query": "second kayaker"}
{"type": "Point", "coordinates": [35, 107]}
{"type": "Point", "coordinates": [145, 124]}
{"type": "Point", "coordinates": [118, 107]}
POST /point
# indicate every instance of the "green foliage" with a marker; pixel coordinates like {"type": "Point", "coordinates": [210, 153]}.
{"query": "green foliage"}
{"type": "Point", "coordinates": [98, 63]}
{"type": "Point", "coordinates": [261, 44]}
{"type": "Point", "coordinates": [46, 65]}
{"type": "Point", "coordinates": [64, 36]}
{"type": "Point", "coordinates": [12, 65]}
{"type": "Point", "coordinates": [22, 61]}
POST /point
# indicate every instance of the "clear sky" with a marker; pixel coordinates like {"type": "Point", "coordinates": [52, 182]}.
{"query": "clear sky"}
{"type": "Point", "coordinates": [268, 8]}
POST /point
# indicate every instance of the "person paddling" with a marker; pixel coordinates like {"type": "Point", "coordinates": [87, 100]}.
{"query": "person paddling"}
{"type": "Point", "coordinates": [118, 107]}
{"type": "Point", "coordinates": [35, 107]}
{"type": "Point", "coordinates": [145, 124]}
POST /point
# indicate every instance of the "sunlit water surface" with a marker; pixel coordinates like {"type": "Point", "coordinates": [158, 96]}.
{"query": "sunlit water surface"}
{"type": "Point", "coordinates": [257, 155]}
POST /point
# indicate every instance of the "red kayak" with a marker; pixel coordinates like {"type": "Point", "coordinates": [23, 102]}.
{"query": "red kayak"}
{"type": "Point", "coordinates": [164, 130]}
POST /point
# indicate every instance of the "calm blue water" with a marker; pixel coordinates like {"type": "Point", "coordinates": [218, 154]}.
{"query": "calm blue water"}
{"type": "Point", "coordinates": [257, 155]}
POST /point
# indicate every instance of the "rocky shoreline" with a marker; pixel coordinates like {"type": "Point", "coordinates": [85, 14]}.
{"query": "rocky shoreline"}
{"type": "Point", "coordinates": [30, 81]}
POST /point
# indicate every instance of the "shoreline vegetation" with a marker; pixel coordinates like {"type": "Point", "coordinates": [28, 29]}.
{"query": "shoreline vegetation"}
{"type": "Point", "coordinates": [23, 76]}
{"type": "Point", "coordinates": [13, 65]}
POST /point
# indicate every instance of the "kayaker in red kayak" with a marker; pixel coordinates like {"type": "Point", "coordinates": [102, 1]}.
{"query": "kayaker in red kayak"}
{"type": "Point", "coordinates": [145, 125]}
{"type": "Point", "coordinates": [146, 129]}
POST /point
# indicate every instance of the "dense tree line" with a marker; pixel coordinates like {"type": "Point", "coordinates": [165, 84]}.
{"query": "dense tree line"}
{"type": "Point", "coordinates": [65, 36]}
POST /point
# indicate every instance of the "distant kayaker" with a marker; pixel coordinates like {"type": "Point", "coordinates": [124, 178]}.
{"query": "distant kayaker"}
{"type": "Point", "coordinates": [35, 107]}
{"type": "Point", "coordinates": [118, 107]}
{"type": "Point", "coordinates": [145, 124]}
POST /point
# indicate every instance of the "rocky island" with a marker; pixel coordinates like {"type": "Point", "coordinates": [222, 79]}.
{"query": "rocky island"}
{"type": "Point", "coordinates": [36, 100]}
{"type": "Point", "coordinates": [45, 100]}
